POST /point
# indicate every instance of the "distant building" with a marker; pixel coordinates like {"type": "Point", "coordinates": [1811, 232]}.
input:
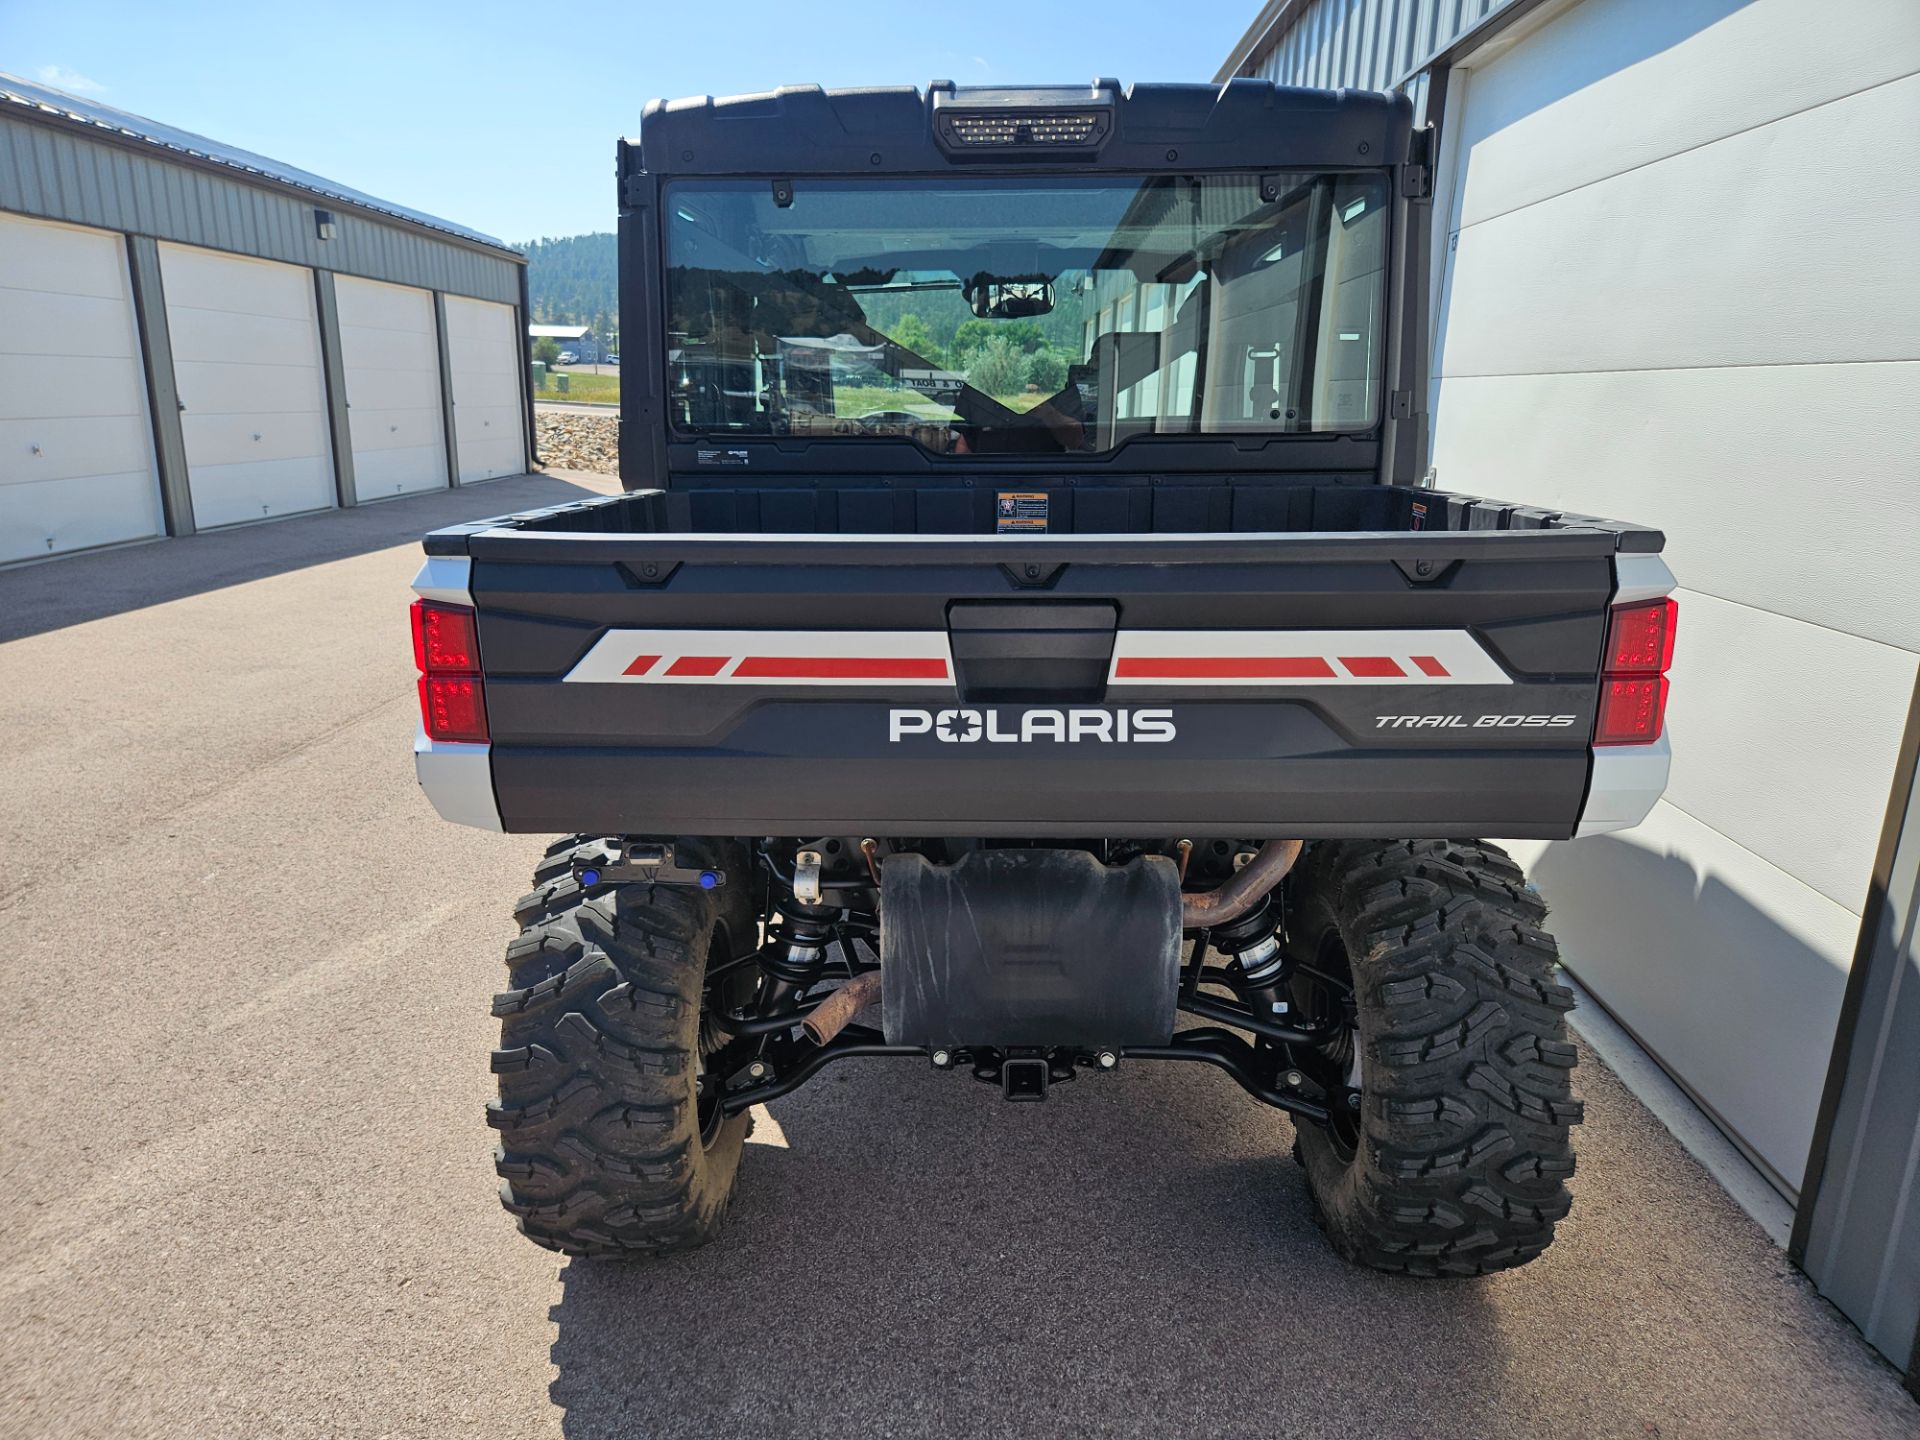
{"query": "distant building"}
{"type": "Point", "coordinates": [195, 336]}
{"type": "Point", "coordinates": [579, 339]}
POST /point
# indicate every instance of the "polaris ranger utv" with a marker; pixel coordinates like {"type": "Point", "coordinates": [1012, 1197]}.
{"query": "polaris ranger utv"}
{"type": "Point", "coordinates": [1025, 626]}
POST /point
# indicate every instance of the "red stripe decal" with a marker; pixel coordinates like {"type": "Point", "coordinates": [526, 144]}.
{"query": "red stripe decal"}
{"type": "Point", "coordinates": [641, 664]}
{"type": "Point", "coordinates": [1247, 667]}
{"type": "Point", "coordinates": [699, 665]}
{"type": "Point", "coordinates": [1373, 667]}
{"type": "Point", "coordinates": [1432, 666]}
{"type": "Point", "coordinates": [837, 667]}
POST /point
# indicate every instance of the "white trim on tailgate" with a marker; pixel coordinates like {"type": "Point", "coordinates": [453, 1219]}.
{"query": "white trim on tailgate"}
{"type": "Point", "coordinates": [1640, 577]}
{"type": "Point", "coordinates": [458, 780]}
{"type": "Point", "coordinates": [1627, 780]}
{"type": "Point", "coordinates": [891, 658]}
{"type": "Point", "coordinates": [446, 578]}
{"type": "Point", "coordinates": [1295, 659]}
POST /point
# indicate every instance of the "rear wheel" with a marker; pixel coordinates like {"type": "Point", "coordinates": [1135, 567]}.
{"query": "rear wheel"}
{"type": "Point", "coordinates": [610, 1140]}
{"type": "Point", "coordinates": [1449, 1145]}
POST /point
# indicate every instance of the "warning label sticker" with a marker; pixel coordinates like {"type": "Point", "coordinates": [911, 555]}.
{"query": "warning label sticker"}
{"type": "Point", "coordinates": [1018, 510]}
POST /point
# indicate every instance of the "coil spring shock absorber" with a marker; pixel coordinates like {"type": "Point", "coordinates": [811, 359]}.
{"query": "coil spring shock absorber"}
{"type": "Point", "coordinates": [1259, 971]}
{"type": "Point", "coordinates": [792, 970]}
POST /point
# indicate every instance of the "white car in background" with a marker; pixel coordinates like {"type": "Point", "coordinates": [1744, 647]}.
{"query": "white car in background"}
{"type": "Point", "coordinates": [566, 357]}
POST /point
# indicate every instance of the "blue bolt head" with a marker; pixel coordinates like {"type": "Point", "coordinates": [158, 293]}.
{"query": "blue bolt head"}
{"type": "Point", "coordinates": [708, 879]}
{"type": "Point", "coordinates": [589, 877]}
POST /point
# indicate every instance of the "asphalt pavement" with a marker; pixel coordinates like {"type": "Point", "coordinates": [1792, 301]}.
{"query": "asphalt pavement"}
{"type": "Point", "coordinates": [248, 1187]}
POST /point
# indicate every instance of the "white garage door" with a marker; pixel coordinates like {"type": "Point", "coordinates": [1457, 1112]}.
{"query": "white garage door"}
{"type": "Point", "coordinates": [1680, 292]}
{"type": "Point", "coordinates": [76, 444]}
{"type": "Point", "coordinates": [391, 356]}
{"type": "Point", "coordinates": [484, 351]}
{"type": "Point", "coordinates": [246, 358]}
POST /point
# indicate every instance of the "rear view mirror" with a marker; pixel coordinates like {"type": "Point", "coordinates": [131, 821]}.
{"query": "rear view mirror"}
{"type": "Point", "coordinates": [1009, 297]}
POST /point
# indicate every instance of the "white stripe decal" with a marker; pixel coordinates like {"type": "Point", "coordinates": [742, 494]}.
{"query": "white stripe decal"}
{"type": "Point", "coordinates": [889, 658]}
{"type": "Point", "coordinates": [1295, 659]}
{"type": "Point", "coordinates": [1189, 659]}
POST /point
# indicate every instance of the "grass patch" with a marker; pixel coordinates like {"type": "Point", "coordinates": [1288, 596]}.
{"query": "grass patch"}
{"type": "Point", "coordinates": [592, 389]}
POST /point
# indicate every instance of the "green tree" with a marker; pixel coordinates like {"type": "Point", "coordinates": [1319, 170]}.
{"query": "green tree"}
{"type": "Point", "coordinates": [546, 350]}
{"type": "Point", "coordinates": [1022, 335]}
{"type": "Point", "coordinates": [572, 278]}
{"type": "Point", "coordinates": [911, 332]}
{"type": "Point", "coordinates": [997, 367]}
{"type": "Point", "coordinates": [1047, 368]}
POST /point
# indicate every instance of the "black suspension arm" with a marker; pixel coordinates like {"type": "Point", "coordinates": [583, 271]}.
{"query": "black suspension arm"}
{"type": "Point", "coordinates": [1235, 1056]}
{"type": "Point", "coordinates": [806, 1069]}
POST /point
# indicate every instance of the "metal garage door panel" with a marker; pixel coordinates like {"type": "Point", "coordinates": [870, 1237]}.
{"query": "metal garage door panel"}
{"type": "Point", "coordinates": [484, 353]}
{"type": "Point", "coordinates": [76, 446]}
{"type": "Point", "coordinates": [246, 352]}
{"type": "Point", "coordinates": [391, 356]}
{"type": "Point", "coordinates": [1640, 308]}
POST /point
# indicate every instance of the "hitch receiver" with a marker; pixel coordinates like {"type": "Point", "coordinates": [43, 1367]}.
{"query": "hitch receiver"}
{"type": "Point", "coordinates": [1024, 1078]}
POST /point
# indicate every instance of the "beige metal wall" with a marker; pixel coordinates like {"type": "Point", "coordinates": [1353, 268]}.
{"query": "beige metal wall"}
{"type": "Point", "coordinates": [1673, 284]}
{"type": "Point", "coordinates": [1672, 294]}
{"type": "Point", "coordinates": [60, 173]}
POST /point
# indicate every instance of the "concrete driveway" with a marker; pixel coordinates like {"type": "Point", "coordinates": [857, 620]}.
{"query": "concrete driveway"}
{"type": "Point", "coordinates": [248, 1188]}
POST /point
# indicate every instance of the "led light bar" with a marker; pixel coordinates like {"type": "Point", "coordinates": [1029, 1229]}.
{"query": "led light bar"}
{"type": "Point", "coordinates": [1001, 128]}
{"type": "Point", "coordinates": [996, 123]}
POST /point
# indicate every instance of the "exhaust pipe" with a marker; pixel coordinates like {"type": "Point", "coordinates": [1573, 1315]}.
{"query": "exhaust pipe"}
{"type": "Point", "coordinates": [833, 1014]}
{"type": "Point", "coordinates": [1246, 889]}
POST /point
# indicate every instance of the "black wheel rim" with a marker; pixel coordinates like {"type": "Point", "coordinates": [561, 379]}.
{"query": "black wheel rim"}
{"type": "Point", "coordinates": [711, 1062]}
{"type": "Point", "coordinates": [1322, 991]}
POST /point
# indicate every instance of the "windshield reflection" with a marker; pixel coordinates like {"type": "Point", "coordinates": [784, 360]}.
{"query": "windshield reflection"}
{"type": "Point", "coordinates": [1039, 316]}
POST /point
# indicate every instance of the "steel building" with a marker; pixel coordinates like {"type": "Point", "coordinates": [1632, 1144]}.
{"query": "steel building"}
{"type": "Point", "coordinates": [578, 339]}
{"type": "Point", "coordinates": [194, 336]}
{"type": "Point", "coordinates": [1673, 281]}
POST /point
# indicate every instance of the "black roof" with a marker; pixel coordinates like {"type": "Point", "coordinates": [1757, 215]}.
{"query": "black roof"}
{"type": "Point", "coordinates": [1239, 125]}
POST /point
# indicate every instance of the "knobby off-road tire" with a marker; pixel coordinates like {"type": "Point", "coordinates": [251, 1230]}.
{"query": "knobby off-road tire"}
{"type": "Point", "coordinates": [1456, 1161]}
{"type": "Point", "coordinates": [603, 1149]}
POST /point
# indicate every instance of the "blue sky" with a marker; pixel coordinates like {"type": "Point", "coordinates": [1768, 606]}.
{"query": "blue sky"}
{"type": "Point", "coordinates": [503, 116]}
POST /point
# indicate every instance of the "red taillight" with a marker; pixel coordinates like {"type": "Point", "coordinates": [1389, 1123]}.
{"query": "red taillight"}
{"type": "Point", "coordinates": [443, 638]}
{"type": "Point", "coordinates": [1632, 708]}
{"type": "Point", "coordinates": [1633, 687]}
{"type": "Point", "coordinates": [1640, 638]}
{"type": "Point", "coordinates": [446, 651]}
{"type": "Point", "coordinates": [454, 707]}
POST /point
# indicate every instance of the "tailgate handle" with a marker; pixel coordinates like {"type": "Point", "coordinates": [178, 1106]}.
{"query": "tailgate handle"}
{"type": "Point", "coordinates": [1032, 650]}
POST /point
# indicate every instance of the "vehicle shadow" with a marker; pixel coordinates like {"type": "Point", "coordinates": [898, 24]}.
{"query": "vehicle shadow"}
{"type": "Point", "coordinates": [74, 589]}
{"type": "Point", "coordinates": [1691, 946]}
{"type": "Point", "coordinates": [907, 1254]}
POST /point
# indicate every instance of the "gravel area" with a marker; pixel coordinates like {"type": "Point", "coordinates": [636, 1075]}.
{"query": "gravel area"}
{"type": "Point", "coordinates": [569, 440]}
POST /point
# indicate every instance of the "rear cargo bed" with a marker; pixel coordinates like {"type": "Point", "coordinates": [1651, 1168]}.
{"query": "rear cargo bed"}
{"type": "Point", "coordinates": [1161, 506]}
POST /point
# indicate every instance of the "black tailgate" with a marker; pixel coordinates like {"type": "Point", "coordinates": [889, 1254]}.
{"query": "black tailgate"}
{"type": "Point", "coordinates": [1313, 685]}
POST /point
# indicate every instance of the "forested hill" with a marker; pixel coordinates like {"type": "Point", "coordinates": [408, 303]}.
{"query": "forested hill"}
{"type": "Point", "coordinates": [574, 280]}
